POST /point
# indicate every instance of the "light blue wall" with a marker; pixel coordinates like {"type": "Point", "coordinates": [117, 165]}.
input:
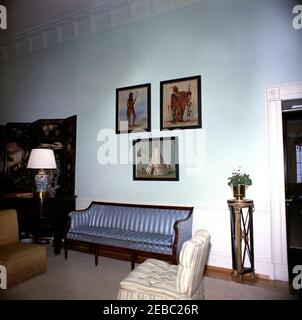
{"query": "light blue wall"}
{"type": "Point", "coordinates": [238, 47]}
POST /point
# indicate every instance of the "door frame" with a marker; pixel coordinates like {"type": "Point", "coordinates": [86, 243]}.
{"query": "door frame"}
{"type": "Point", "coordinates": [274, 97]}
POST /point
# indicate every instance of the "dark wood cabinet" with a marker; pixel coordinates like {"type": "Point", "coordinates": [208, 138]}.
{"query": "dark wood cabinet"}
{"type": "Point", "coordinates": [46, 217]}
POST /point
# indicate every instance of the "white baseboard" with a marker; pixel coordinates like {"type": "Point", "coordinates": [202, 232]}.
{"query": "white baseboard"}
{"type": "Point", "coordinates": [281, 272]}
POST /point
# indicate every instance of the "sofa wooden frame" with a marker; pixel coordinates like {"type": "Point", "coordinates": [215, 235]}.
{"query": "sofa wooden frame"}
{"type": "Point", "coordinates": [134, 254]}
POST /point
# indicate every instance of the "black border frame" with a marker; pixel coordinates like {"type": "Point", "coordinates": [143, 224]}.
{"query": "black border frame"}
{"type": "Point", "coordinates": [176, 155]}
{"type": "Point", "coordinates": [162, 83]}
{"type": "Point", "coordinates": [148, 85]}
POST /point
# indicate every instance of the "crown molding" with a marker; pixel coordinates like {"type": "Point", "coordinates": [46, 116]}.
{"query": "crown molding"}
{"type": "Point", "coordinates": [107, 15]}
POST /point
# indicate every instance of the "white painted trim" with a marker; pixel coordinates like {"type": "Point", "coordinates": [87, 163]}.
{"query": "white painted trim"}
{"type": "Point", "coordinates": [274, 97]}
{"type": "Point", "coordinates": [114, 13]}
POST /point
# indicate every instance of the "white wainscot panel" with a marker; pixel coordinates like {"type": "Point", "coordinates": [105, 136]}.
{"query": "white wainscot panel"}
{"type": "Point", "coordinates": [217, 222]}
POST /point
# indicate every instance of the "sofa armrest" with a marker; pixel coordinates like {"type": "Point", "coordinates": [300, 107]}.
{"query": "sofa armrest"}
{"type": "Point", "coordinates": [79, 218]}
{"type": "Point", "coordinates": [182, 233]}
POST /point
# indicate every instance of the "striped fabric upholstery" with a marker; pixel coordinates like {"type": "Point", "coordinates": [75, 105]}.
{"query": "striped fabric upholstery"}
{"type": "Point", "coordinates": [151, 280]}
{"type": "Point", "coordinates": [185, 233]}
{"type": "Point", "coordinates": [151, 220]}
{"type": "Point", "coordinates": [79, 219]}
{"type": "Point", "coordinates": [192, 260]}
{"type": "Point", "coordinates": [122, 243]}
{"type": "Point", "coordinates": [120, 234]}
{"type": "Point", "coordinates": [158, 280]}
{"type": "Point", "coordinates": [148, 229]}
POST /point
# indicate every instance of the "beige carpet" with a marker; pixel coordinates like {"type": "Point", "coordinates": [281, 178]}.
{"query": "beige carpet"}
{"type": "Point", "coordinates": [78, 278]}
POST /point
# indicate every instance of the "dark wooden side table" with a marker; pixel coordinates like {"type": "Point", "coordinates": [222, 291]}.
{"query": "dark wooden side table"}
{"type": "Point", "coordinates": [241, 214]}
{"type": "Point", "coordinates": [40, 218]}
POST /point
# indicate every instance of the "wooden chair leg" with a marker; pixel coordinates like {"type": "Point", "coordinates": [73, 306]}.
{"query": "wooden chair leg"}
{"type": "Point", "coordinates": [66, 244]}
{"type": "Point", "coordinates": [96, 255]}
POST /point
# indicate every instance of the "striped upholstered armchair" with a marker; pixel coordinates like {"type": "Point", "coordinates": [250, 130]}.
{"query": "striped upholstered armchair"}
{"type": "Point", "coordinates": [21, 260]}
{"type": "Point", "coordinates": [158, 280]}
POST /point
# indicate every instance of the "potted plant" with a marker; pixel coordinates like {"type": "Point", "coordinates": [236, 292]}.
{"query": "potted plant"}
{"type": "Point", "coordinates": [239, 182]}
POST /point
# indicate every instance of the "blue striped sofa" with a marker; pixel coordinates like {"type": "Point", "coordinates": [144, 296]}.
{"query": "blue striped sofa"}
{"type": "Point", "coordinates": [134, 230]}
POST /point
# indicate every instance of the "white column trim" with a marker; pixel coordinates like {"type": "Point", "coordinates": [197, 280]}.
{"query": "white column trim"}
{"type": "Point", "coordinates": [274, 97]}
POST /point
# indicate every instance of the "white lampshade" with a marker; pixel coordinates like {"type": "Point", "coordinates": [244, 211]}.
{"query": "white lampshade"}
{"type": "Point", "coordinates": [42, 159]}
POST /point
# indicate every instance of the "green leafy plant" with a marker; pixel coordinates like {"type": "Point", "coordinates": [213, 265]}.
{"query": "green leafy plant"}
{"type": "Point", "coordinates": [238, 178]}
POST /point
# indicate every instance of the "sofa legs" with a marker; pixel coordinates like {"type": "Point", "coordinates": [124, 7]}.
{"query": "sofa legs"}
{"type": "Point", "coordinates": [66, 248]}
{"type": "Point", "coordinates": [133, 259]}
{"type": "Point", "coordinates": [96, 255]}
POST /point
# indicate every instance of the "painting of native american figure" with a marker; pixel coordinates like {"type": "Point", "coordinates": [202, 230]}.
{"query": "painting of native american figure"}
{"type": "Point", "coordinates": [133, 108]}
{"type": "Point", "coordinates": [156, 159]}
{"type": "Point", "coordinates": [180, 103]}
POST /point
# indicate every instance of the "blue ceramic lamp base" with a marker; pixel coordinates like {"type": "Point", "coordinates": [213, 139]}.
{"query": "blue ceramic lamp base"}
{"type": "Point", "coordinates": [41, 181]}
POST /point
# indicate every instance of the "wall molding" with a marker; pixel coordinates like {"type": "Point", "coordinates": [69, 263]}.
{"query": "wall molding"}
{"type": "Point", "coordinates": [104, 16]}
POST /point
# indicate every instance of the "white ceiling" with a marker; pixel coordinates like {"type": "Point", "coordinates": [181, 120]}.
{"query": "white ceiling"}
{"type": "Point", "coordinates": [25, 14]}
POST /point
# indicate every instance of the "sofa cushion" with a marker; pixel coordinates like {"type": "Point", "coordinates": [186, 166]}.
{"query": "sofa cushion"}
{"type": "Point", "coordinates": [126, 235]}
{"type": "Point", "coordinates": [142, 219]}
{"type": "Point", "coordinates": [131, 245]}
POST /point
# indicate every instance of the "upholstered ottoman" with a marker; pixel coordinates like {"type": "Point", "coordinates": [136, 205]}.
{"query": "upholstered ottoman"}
{"type": "Point", "coordinates": [151, 280]}
{"type": "Point", "coordinates": [158, 280]}
{"type": "Point", "coordinates": [21, 260]}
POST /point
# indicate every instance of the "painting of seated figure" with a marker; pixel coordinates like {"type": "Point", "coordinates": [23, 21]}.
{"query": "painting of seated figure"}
{"type": "Point", "coordinates": [180, 103]}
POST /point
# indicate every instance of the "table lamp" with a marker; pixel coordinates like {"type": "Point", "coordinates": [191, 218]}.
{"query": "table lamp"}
{"type": "Point", "coordinates": [41, 159]}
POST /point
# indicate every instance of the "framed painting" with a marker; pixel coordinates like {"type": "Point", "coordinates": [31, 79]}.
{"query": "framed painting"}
{"type": "Point", "coordinates": [156, 159]}
{"type": "Point", "coordinates": [133, 108]}
{"type": "Point", "coordinates": [180, 103]}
